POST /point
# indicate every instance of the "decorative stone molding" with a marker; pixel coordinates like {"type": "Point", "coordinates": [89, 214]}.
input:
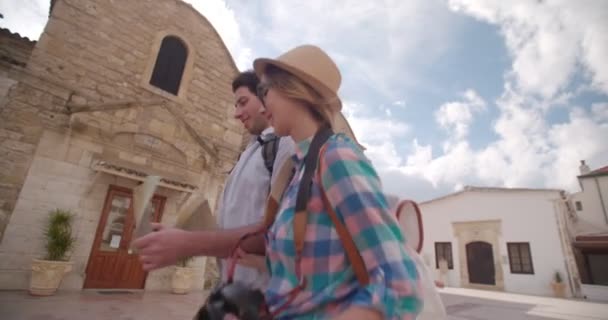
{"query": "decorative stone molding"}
{"type": "Point", "coordinates": [485, 231]}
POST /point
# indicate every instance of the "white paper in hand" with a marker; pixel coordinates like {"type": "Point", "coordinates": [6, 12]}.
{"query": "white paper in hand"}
{"type": "Point", "coordinates": [142, 195]}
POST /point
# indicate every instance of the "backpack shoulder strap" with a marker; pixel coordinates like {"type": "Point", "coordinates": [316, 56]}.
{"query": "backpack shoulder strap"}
{"type": "Point", "coordinates": [353, 254]}
{"type": "Point", "coordinates": [270, 148]}
{"type": "Point", "coordinates": [277, 189]}
{"type": "Point", "coordinates": [313, 164]}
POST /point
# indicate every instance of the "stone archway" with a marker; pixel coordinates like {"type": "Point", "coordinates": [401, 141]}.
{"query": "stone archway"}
{"type": "Point", "coordinates": [479, 254]}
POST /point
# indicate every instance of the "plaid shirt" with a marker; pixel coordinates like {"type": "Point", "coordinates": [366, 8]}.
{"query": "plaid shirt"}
{"type": "Point", "coordinates": [354, 189]}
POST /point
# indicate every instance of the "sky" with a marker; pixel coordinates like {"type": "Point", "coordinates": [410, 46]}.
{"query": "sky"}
{"type": "Point", "coordinates": [443, 93]}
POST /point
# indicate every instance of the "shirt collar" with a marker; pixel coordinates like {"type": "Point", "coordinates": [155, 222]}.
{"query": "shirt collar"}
{"type": "Point", "coordinates": [264, 134]}
{"type": "Point", "coordinates": [301, 149]}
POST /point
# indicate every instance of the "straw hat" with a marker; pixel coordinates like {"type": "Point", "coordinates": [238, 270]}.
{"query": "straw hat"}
{"type": "Point", "coordinates": [314, 67]}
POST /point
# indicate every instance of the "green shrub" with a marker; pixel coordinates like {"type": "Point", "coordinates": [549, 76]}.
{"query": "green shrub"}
{"type": "Point", "coordinates": [558, 277]}
{"type": "Point", "coordinates": [59, 240]}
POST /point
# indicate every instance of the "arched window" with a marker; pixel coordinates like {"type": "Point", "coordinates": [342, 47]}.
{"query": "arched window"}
{"type": "Point", "coordinates": [169, 66]}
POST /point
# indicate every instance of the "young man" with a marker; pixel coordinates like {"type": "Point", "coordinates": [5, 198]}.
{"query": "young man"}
{"type": "Point", "coordinates": [243, 201]}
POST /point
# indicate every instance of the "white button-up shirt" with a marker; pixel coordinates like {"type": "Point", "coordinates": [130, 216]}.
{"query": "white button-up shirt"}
{"type": "Point", "coordinates": [243, 201]}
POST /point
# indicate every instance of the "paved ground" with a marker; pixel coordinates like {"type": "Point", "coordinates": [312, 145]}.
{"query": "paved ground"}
{"type": "Point", "coordinates": [475, 305]}
{"type": "Point", "coordinates": [460, 304]}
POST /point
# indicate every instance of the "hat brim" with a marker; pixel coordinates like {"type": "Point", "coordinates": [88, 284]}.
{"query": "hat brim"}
{"type": "Point", "coordinates": [339, 122]}
{"type": "Point", "coordinates": [341, 125]}
{"type": "Point", "coordinates": [259, 66]}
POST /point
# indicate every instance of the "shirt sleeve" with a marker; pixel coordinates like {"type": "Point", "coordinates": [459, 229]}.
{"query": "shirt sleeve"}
{"type": "Point", "coordinates": [353, 189]}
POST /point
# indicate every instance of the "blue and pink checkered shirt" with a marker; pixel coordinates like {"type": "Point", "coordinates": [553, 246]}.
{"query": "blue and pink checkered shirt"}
{"type": "Point", "coordinates": [354, 190]}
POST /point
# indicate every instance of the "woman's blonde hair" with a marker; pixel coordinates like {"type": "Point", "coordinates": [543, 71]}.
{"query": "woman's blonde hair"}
{"type": "Point", "coordinates": [292, 87]}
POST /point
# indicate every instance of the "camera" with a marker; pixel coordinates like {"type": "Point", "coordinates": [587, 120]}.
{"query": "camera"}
{"type": "Point", "coordinates": [234, 299]}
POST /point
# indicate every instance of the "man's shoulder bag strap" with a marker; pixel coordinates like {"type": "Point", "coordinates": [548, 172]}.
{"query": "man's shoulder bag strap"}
{"type": "Point", "coordinates": [270, 147]}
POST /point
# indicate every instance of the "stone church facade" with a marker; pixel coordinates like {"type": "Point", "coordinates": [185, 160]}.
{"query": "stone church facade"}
{"type": "Point", "coordinates": [112, 91]}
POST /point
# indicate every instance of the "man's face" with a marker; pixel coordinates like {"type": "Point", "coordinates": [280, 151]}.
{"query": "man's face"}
{"type": "Point", "coordinates": [249, 110]}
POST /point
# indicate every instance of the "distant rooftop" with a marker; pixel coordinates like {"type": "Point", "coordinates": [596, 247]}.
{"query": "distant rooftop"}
{"type": "Point", "coordinates": [491, 189]}
{"type": "Point", "coordinates": [596, 173]}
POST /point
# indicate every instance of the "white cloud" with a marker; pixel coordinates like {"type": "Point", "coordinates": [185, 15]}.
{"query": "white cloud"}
{"type": "Point", "coordinates": [549, 39]}
{"type": "Point", "coordinates": [223, 19]}
{"type": "Point", "coordinates": [373, 129]}
{"type": "Point", "coordinates": [456, 117]}
{"type": "Point", "coordinates": [27, 17]}
{"type": "Point", "coordinates": [529, 151]}
{"type": "Point", "coordinates": [399, 103]}
{"type": "Point", "coordinates": [583, 138]}
{"type": "Point", "coordinates": [372, 42]}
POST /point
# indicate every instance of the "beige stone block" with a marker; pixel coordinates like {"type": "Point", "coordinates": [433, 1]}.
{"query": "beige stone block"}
{"type": "Point", "coordinates": [88, 145]}
{"type": "Point", "coordinates": [14, 280]}
{"type": "Point", "coordinates": [125, 127]}
{"type": "Point", "coordinates": [35, 182]}
{"type": "Point", "coordinates": [131, 115]}
{"type": "Point", "coordinates": [132, 157]}
{"type": "Point", "coordinates": [34, 195]}
{"type": "Point", "coordinates": [120, 113]}
{"type": "Point", "coordinates": [18, 146]}
{"type": "Point", "coordinates": [164, 129]}
{"type": "Point", "coordinates": [23, 243]}
{"type": "Point", "coordinates": [12, 261]}
{"type": "Point", "coordinates": [232, 138]}
{"type": "Point", "coordinates": [7, 134]}
{"type": "Point", "coordinates": [85, 159]}
{"type": "Point", "coordinates": [52, 146]}
{"type": "Point", "coordinates": [74, 155]}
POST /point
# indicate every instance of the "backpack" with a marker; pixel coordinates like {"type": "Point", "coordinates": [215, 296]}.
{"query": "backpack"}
{"type": "Point", "coordinates": [270, 147]}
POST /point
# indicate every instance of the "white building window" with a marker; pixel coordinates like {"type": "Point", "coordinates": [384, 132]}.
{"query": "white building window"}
{"type": "Point", "coordinates": [597, 265]}
{"type": "Point", "coordinates": [443, 250]}
{"type": "Point", "coordinates": [520, 258]}
{"type": "Point", "coordinates": [579, 206]}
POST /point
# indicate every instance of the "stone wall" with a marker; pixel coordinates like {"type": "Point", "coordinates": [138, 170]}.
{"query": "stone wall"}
{"type": "Point", "coordinates": [14, 54]}
{"type": "Point", "coordinates": [14, 49]}
{"type": "Point", "coordinates": [95, 57]}
{"type": "Point", "coordinates": [96, 54]}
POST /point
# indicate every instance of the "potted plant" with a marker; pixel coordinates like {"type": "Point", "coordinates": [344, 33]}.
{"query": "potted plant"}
{"type": "Point", "coordinates": [558, 286]}
{"type": "Point", "coordinates": [181, 280]}
{"type": "Point", "coordinates": [47, 273]}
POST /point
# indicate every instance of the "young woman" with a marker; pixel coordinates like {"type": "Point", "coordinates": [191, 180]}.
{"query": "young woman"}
{"type": "Point", "coordinates": [299, 90]}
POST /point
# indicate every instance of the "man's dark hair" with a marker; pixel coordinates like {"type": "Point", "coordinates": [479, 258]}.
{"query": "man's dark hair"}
{"type": "Point", "coordinates": [246, 79]}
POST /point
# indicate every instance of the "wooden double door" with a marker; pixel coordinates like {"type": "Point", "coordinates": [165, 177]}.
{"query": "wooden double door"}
{"type": "Point", "coordinates": [112, 264]}
{"type": "Point", "coordinates": [480, 262]}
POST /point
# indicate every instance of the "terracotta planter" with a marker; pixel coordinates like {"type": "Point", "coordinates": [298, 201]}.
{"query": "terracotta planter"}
{"type": "Point", "coordinates": [47, 276]}
{"type": "Point", "coordinates": [559, 289]}
{"type": "Point", "coordinates": [181, 281]}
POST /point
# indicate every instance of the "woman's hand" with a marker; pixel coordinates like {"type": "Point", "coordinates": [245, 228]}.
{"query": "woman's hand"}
{"type": "Point", "coordinates": [255, 261]}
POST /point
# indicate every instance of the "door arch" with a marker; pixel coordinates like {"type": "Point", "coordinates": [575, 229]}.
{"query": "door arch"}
{"type": "Point", "coordinates": [480, 263]}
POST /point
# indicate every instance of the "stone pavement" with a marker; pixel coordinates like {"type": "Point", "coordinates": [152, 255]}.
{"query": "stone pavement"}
{"type": "Point", "coordinates": [93, 305]}
{"type": "Point", "coordinates": [477, 304]}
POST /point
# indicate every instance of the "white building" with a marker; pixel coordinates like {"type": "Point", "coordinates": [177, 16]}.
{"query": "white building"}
{"type": "Point", "coordinates": [512, 240]}
{"type": "Point", "coordinates": [590, 231]}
